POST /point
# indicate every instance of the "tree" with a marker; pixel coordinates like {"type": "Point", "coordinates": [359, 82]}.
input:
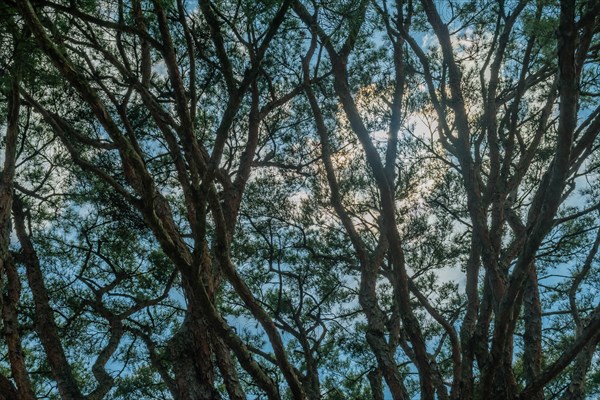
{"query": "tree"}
{"type": "Point", "coordinates": [300, 199]}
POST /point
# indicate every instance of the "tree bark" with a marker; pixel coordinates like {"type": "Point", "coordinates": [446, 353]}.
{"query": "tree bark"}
{"type": "Point", "coordinates": [532, 338]}
{"type": "Point", "coordinates": [576, 389]}
{"type": "Point", "coordinates": [376, 383]}
{"type": "Point", "coordinates": [10, 296]}
{"type": "Point", "coordinates": [191, 356]}
{"type": "Point", "coordinates": [45, 325]}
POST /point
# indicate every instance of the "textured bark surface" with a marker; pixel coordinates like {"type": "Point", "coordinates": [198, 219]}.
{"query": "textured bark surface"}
{"type": "Point", "coordinates": [191, 357]}
{"type": "Point", "coordinates": [45, 324]}
{"type": "Point", "coordinates": [9, 276]}
{"type": "Point", "coordinates": [376, 383]}
{"type": "Point", "coordinates": [576, 389]}
{"type": "Point", "coordinates": [532, 338]}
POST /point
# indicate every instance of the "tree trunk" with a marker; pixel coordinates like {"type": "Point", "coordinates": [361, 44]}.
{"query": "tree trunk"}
{"type": "Point", "coordinates": [532, 338]}
{"type": "Point", "coordinates": [376, 382]}
{"type": "Point", "coordinates": [191, 355]}
{"type": "Point", "coordinates": [228, 371]}
{"type": "Point", "coordinates": [45, 325]}
{"type": "Point", "coordinates": [576, 389]}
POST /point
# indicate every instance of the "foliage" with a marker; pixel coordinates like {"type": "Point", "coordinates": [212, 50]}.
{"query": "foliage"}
{"type": "Point", "coordinates": [304, 200]}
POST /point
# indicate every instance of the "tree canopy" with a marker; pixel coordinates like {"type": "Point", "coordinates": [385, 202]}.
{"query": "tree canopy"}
{"type": "Point", "coordinates": [289, 199]}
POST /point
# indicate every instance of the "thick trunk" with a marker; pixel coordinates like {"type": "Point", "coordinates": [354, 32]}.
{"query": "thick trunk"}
{"type": "Point", "coordinates": [467, 331]}
{"type": "Point", "coordinates": [11, 331]}
{"type": "Point", "coordinates": [227, 368]}
{"type": "Point", "coordinates": [7, 389]}
{"type": "Point", "coordinates": [576, 389]}
{"type": "Point", "coordinates": [191, 355]}
{"type": "Point", "coordinates": [45, 324]}
{"type": "Point", "coordinates": [480, 338]}
{"type": "Point", "coordinates": [532, 338]}
{"type": "Point", "coordinates": [10, 297]}
{"type": "Point", "coordinates": [311, 382]}
{"type": "Point", "coordinates": [376, 334]}
{"type": "Point", "coordinates": [503, 382]}
{"type": "Point", "coordinates": [376, 382]}
{"type": "Point", "coordinates": [191, 349]}
{"type": "Point", "coordinates": [380, 348]}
